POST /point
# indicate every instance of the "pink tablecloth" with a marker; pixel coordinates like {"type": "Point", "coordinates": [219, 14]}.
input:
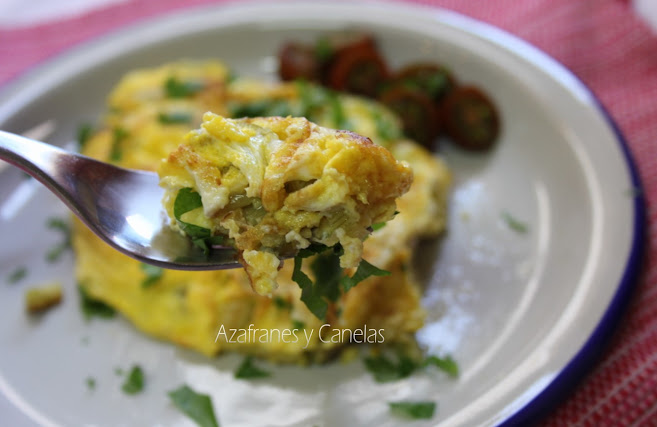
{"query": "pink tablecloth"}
{"type": "Point", "coordinates": [602, 42]}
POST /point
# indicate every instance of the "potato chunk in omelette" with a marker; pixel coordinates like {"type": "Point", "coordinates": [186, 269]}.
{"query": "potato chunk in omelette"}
{"type": "Point", "coordinates": [149, 113]}
{"type": "Point", "coordinates": [275, 185]}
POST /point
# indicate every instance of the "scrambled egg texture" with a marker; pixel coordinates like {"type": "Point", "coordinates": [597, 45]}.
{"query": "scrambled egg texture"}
{"type": "Point", "coordinates": [275, 185]}
{"type": "Point", "coordinates": [150, 112]}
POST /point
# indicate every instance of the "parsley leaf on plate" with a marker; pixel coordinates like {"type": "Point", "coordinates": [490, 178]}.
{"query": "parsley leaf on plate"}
{"type": "Point", "coordinates": [59, 224]}
{"type": "Point", "coordinates": [386, 370]}
{"type": "Point", "coordinates": [17, 275]}
{"type": "Point", "coordinates": [92, 307]}
{"type": "Point", "coordinates": [134, 383]}
{"type": "Point", "coordinates": [414, 410]}
{"type": "Point", "coordinates": [195, 405]}
{"type": "Point", "coordinates": [514, 224]}
{"type": "Point", "coordinates": [446, 364]}
{"type": "Point", "coordinates": [248, 370]}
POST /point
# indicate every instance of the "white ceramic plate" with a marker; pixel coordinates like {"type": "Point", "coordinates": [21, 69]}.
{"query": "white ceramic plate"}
{"type": "Point", "coordinates": [523, 314]}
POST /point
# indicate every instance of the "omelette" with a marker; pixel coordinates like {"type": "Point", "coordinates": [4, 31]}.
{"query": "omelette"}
{"type": "Point", "coordinates": [150, 111]}
{"type": "Point", "coordinates": [270, 186]}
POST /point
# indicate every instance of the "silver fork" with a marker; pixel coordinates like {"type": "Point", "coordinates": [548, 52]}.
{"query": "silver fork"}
{"type": "Point", "coordinates": [122, 206]}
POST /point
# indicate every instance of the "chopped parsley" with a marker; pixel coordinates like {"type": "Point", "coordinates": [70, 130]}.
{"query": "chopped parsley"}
{"type": "Point", "coordinates": [298, 325]}
{"type": "Point", "coordinates": [63, 227]}
{"type": "Point", "coordinates": [153, 275]}
{"type": "Point", "coordinates": [514, 224]}
{"type": "Point", "coordinates": [446, 364]}
{"type": "Point", "coordinates": [248, 370]}
{"type": "Point", "coordinates": [195, 405]}
{"type": "Point", "coordinates": [84, 134]}
{"type": "Point", "coordinates": [282, 303]}
{"type": "Point", "coordinates": [338, 116]}
{"type": "Point", "coordinates": [118, 136]}
{"type": "Point", "coordinates": [187, 200]}
{"type": "Point", "coordinates": [262, 108]}
{"type": "Point", "coordinates": [323, 49]}
{"type": "Point", "coordinates": [385, 369]}
{"type": "Point", "coordinates": [378, 226]}
{"type": "Point", "coordinates": [91, 383]}
{"type": "Point", "coordinates": [174, 118]}
{"type": "Point", "coordinates": [413, 410]}
{"type": "Point", "coordinates": [134, 383]}
{"type": "Point", "coordinates": [364, 270]}
{"type": "Point", "coordinates": [17, 275]}
{"type": "Point", "coordinates": [175, 88]}
{"type": "Point", "coordinates": [92, 307]}
{"type": "Point", "coordinates": [330, 280]}
{"type": "Point", "coordinates": [386, 128]}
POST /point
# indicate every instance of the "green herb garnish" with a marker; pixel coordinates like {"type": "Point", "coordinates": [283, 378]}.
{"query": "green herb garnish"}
{"type": "Point", "coordinates": [248, 370]}
{"type": "Point", "coordinates": [386, 128]}
{"type": "Point", "coordinates": [187, 200]}
{"type": "Point", "coordinates": [118, 136]}
{"type": "Point", "coordinates": [195, 405]}
{"type": "Point", "coordinates": [153, 275]}
{"type": "Point", "coordinates": [364, 270]}
{"type": "Point", "coordinates": [339, 118]}
{"type": "Point", "coordinates": [134, 383]}
{"type": "Point", "coordinates": [84, 133]}
{"type": "Point", "coordinates": [91, 383]}
{"type": "Point", "coordinates": [174, 118]}
{"type": "Point", "coordinates": [17, 275]}
{"type": "Point", "coordinates": [323, 49]}
{"type": "Point", "coordinates": [329, 277]}
{"type": "Point", "coordinates": [378, 226]}
{"type": "Point", "coordinates": [386, 370]}
{"type": "Point", "coordinates": [514, 224]}
{"type": "Point", "coordinates": [298, 325]}
{"type": "Point", "coordinates": [92, 307]}
{"type": "Point", "coordinates": [282, 303]}
{"type": "Point", "coordinates": [413, 410]}
{"type": "Point", "coordinates": [262, 108]}
{"type": "Point", "coordinates": [63, 227]}
{"type": "Point", "coordinates": [310, 294]}
{"type": "Point", "coordinates": [446, 364]}
{"type": "Point", "coordinates": [175, 88]}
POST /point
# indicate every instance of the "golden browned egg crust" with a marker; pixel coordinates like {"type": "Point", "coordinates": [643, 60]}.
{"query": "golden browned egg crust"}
{"type": "Point", "coordinates": [149, 113]}
{"type": "Point", "coordinates": [275, 185]}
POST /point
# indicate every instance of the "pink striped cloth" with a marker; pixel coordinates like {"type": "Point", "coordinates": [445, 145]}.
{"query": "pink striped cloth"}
{"type": "Point", "coordinates": [603, 43]}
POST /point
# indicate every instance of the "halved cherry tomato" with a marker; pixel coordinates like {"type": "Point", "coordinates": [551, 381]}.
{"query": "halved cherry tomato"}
{"type": "Point", "coordinates": [470, 118]}
{"type": "Point", "coordinates": [433, 79]}
{"type": "Point", "coordinates": [357, 68]}
{"type": "Point", "coordinates": [298, 61]}
{"type": "Point", "coordinates": [417, 112]}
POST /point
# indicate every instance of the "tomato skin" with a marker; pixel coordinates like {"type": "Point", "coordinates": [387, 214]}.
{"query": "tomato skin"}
{"type": "Point", "coordinates": [298, 61]}
{"type": "Point", "coordinates": [433, 79]}
{"type": "Point", "coordinates": [471, 119]}
{"type": "Point", "coordinates": [417, 111]}
{"type": "Point", "coordinates": [357, 68]}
